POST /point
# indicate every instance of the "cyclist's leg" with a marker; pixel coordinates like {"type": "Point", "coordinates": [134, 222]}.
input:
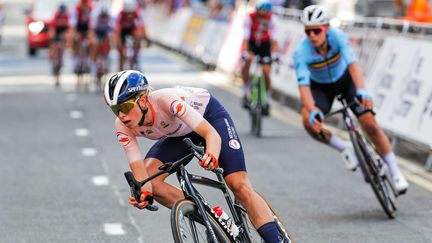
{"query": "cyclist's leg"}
{"type": "Point", "coordinates": [231, 159]}
{"type": "Point", "coordinates": [167, 150]}
{"type": "Point", "coordinates": [258, 211]}
{"type": "Point", "coordinates": [121, 49]}
{"type": "Point", "coordinates": [265, 53]}
{"type": "Point", "coordinates": [370, 126]}
{"type": "Point", "coordinates": [165, 193]}
{"type": "Point", "coordinates": [246, 69]}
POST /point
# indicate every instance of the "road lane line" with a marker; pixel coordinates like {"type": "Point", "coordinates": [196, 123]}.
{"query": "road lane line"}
{"type": "Point", "coordinates": [82, 132]}
{"type": "Point", "coordinates": [120, 199]}
{"type": "Point", "coordinates": [100, 180]}
{"type": "Point", "coordinates": [75, 114]}
{"type": "Point", "coordinates": [71, 97]}
{"type": "Point", "coordinates": [114, 229]}
{"type": "Point", "coordinates": [88, 152]}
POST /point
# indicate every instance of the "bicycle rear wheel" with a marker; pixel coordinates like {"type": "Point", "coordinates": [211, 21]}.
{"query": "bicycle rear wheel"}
{"type": "Point", "coordinates": [381, 186]}
{"type": "Point", "coordinates": [252, 235]}
{"type": "Point", "coordinates": [187, 224]}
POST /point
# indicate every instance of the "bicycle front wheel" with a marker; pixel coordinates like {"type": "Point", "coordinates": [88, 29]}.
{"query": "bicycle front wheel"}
{"type": "Point", "coordinates": [380, 183]}
{"type": "Point", "coordinates": [252, 235]}
{"type": "Point", "coordinates": [187, 224]}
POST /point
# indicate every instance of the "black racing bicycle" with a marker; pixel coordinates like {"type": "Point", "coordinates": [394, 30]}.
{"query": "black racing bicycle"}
{"type": "Point", "coordinates": [192, 218]}
{"type": "Point", "coordinates": [374, 170]}
{"type": "Point", "coordinates": [258, 104]}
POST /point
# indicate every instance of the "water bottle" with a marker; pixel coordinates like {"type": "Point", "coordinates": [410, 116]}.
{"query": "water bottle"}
{"type": "Point", "coordinates": [226, 221]}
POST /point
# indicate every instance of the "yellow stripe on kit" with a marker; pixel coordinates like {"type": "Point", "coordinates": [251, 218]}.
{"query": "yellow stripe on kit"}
{"type": "Point", "coordinates": [322, 64]}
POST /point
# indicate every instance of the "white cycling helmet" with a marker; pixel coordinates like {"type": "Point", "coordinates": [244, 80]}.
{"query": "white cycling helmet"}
{"type": "Point", "coordinates": [129, 5]}
{"type": "Point", "coordinates": [315, 15]}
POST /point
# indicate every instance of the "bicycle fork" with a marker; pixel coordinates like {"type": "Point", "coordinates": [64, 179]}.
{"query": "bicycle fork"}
{"type": "Point", "coordinates": [189, 192]}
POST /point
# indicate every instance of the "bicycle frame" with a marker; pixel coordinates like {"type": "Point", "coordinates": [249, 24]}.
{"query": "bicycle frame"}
{"type": "Point", "coordinates": [374, 169]}
{"type": "Point", "coordinates": [186, 181]}
{"type": "Point", "coordinates": [258, 83]}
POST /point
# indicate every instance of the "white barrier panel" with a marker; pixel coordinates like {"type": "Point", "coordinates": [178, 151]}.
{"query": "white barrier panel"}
{"type": "Point", "coordinates": [367, 47]}
{"type": "Point", "coordinates": [155, 17]}
{"type": "Point", "coordinates": [192, 33]}
{"type": "Point", "coordinates": [211, 39]}
{"type": "Point", "coordinates": [171, 33]}
{"type": "Point", "coordinates": [288, 35]}
{"type": "Point", "coordinates": [229, 56]}
{"type": "Point", "coordinates": [401, 87]}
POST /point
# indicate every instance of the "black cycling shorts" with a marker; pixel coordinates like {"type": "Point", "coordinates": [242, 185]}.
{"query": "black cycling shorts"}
{"type": "Point", "coordinates": [324, 94]}
{"type": "Point", "coordinates": [262, 49]}
{"type": "Point", "coordinates": [124, 33]}
{"type": "Point", "coordinates": [60, 33]}
{"type": "Point", "coordinates": [82, 28]}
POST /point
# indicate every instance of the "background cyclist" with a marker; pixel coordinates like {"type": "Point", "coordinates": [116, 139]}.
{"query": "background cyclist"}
{"type": "Point", "coordinates": [169, 115]}
{"type": "Point", "coordinates": [59, 27]}
{"type": "Point", "coordinates": [259, 27]}
{"type": "Point", "coordinates": [101, 28]}
{"type": "Point", "coordinates": [129, 23]}
{"type": "Point", "coordinates": [325, 67]}
{"type": "Point", "coordinates": [80, 25]}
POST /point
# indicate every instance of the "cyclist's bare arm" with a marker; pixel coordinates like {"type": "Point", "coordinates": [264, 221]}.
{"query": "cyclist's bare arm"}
{"type": "Point", "coordinates": [306, 97]}
{"type": "Point", "coordinates": [212, 138]}
{"type": "Point", "coordinates": [140, 173]}
{"type": "Point", "coordinates": [274, 46]}
{"type": "Point", "coordinates": [356, 75]}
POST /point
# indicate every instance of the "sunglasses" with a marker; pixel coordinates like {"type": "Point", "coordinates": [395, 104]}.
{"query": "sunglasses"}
{"type": "Point", "coordinates": [124, 107]}
{"type": "Point", "coordinates": [316, 30]}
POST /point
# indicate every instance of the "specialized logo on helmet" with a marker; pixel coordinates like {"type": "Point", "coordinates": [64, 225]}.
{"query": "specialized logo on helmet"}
{"type": "Point", "coordinates": [138, 88]}
{"type": "Point", "coordinates": [178, 108]}
{"type": "Point", "coordinates": [137, 78]}
{"type": "Point", "coordinates": [123, 138]}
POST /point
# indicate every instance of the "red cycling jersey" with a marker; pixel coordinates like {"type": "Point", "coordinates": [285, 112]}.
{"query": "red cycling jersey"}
{"type": "Point", "coordinates": [259, 28]}
{"type": "Point", "coordinates": [129, 21]}
{"type": "Point", "coordinates": [60, 20]}
{"type": "Point", "coordinates": [82, 14]}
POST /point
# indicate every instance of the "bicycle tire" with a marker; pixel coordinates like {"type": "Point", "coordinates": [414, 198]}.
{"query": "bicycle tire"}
{"type": "Point", "coordinates": [256, 106]}
{"type": "Point", "coordinates": [251, 234]}
{"type": "Point", "coordinates": [258, 121]}
{"type": "Point", "coordinates": [186, 210]}
{"type": "Point", "coordinates": [378, 183]}
{"type": "Point", "coordinates": [365, 165]}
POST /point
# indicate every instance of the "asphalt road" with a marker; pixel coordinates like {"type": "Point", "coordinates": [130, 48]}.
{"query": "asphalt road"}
{"type": "Point", "coordinates": [62, 168]}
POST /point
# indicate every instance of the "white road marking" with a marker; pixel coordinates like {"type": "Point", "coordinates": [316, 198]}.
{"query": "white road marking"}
{"type": "Point", "coordinates": [89, 152]}
{"type": "Point", "coordinates": [82, 132]}
{"type": "Point", "coordinates": [75, 114]}
{"type": "Point", "coordinates": [114, 229]}
{"type": "Point", "coordinates": [100, 180]}
{"type": "Point", "coordinates": [71, 97]}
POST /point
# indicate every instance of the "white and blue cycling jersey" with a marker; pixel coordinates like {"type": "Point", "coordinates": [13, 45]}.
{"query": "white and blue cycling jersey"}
{"type": "Point", "coordinates": [310, 65]}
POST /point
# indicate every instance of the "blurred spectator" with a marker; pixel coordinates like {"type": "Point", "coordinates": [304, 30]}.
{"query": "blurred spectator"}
{"type": "Point", "coordinates": [220, 9]}
{"type": "Point", "coordinates": [400, 7]}
{"type": "Point", "coordinates": [2, 19]}
{"type": "Point", "coordinates": [420, 11]}
{"type": "Point", "coordinates": [299, 4]}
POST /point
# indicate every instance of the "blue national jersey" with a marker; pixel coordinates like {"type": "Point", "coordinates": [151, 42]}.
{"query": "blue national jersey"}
{"type": "Point", "coordinates": [310, 65]}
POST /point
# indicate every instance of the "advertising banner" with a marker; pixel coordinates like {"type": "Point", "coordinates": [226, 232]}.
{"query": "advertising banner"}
{"type": "Point", "coordinates": [288, 34]}
{"type": "Point", "coordinates": [211, 40]}
{"type": "Point", "coordinates": [401, 88]}
{"type": "Point", "coordinates": [191, 35]}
